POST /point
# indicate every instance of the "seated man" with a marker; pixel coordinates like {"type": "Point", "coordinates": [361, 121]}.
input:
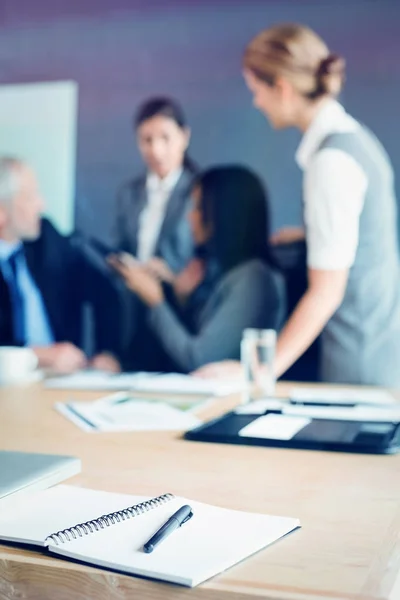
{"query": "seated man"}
{"type": "Point", "coordinates": [45, 282]}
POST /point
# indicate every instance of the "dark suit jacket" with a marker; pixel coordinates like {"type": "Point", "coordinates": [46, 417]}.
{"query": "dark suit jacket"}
{"type": "Point", "coordinates": [66, 280]}
{"type": "Point", "coordinates": [175, 242]}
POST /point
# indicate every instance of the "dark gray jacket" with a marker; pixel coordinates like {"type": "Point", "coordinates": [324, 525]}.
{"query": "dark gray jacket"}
{"type": "Point", "coordinates": [175, 243]}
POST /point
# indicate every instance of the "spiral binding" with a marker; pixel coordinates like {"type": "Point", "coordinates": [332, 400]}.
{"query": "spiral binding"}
{"type": "Point", "coordinates": [81, 529]}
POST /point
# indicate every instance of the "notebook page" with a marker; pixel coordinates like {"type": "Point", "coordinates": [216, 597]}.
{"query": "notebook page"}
{"type": "Point", "coordinates": [212, 541]}
{"type": "Point", "coordinates": [35, 516]}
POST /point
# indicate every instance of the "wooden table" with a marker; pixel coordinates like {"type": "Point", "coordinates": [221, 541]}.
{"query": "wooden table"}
{"type": "Point", "coordinates": [347, 549]}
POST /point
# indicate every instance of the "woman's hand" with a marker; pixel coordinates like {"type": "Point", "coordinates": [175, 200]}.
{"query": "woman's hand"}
{"type": "Point", "coordinates": [220, 370]}
{"type": "Point", "coordinates": [287, 235]}
{"type": "Point", "coordinates": [139, 280]}
{"type": "Point", "coordinates": [63, 358]}
{"type": "Point", "coordinates": [105, 362]}
{"type": "Point", "coordinates": [189, 279]}
{"type": "Point", "coordinates": [159, 269]}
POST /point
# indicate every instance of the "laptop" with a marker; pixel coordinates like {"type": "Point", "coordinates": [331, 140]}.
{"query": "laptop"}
{"type": "Point", "coordinates": [22, 472]}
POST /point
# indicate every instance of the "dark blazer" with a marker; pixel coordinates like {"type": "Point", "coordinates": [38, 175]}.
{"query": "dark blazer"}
{"type": "Point", "coordinates": [175, 242]}
{"type": "Point", "coordinates": [250, 295]}
{"type": "Point", "coordinates": [67, 281]}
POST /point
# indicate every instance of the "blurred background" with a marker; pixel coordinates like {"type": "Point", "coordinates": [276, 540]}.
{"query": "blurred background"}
{"type": "Point", "coordinates": [100, 58]}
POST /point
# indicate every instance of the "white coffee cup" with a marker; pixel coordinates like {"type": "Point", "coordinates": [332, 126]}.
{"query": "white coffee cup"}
{"type": "Point", "coordinates": [17, 365]}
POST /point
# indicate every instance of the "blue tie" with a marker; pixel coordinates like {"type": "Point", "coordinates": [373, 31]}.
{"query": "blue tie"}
{"type": "Point", "coordinates": [17, 298]}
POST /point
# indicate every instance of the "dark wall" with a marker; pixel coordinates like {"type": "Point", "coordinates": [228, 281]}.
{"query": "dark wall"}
{"type": "Point", "coordinates": [121, 51]}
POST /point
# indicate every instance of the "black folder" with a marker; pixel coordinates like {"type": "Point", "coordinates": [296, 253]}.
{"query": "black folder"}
{"type": "Point", "coordinates": [373, 437]}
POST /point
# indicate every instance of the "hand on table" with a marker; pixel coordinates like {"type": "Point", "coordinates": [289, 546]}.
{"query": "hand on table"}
{"type": "Point", "coordinates": [62, 357]}
{"type": "Point", "coordinates": [105, 362]}
{"type": "Point", "coordinates": [220, 370]}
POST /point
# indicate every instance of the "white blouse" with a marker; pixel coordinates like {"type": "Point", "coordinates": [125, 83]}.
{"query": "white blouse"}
{"type": "Point", "coordinates": [152, 217]}
{"type": "Point", "coordinates": [334, 188]}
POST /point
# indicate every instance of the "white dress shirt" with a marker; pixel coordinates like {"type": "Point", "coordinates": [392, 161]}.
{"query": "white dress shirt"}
{"type": "Point", "coordinates": [152, 216]}
{"type": "Point", "coordinates": [334, 188]}
{"type": "Point", "coordinates": [37, 326]}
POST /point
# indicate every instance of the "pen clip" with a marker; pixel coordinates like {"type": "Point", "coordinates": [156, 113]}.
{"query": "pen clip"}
{"type": "Point", "coordinates": [190, 515]}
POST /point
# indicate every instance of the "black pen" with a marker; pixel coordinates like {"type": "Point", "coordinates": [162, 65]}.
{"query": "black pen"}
{"type": "Point", "coordinates": [179, 518]}
{"type": "Point", "coordinates": [343, 404]}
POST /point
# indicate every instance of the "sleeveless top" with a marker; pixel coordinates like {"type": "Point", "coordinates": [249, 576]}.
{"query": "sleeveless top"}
{"type": "Point", "coordinates": [361, 342]}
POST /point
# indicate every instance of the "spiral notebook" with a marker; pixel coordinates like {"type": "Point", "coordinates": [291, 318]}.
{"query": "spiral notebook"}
{"type": "Point", "coordinates": [109, 530]}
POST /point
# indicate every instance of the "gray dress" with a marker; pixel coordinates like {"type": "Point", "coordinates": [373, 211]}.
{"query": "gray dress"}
{"type": "Point", "coordinates": [361, 342]}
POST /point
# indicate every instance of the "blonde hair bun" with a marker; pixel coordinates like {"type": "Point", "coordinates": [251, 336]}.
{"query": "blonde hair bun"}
{"type": "Point", "coordinates": [300, 55]}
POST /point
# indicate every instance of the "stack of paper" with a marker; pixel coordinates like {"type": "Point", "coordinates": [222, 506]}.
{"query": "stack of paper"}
{"type": "Point", "coordinates": [335, 405]}
{"type": "Point", "coordinates": [121, 412]}
{"type": "Point", "coordinates": [341, 396]}
{"type": "Point", "coordinates": [172, 383]}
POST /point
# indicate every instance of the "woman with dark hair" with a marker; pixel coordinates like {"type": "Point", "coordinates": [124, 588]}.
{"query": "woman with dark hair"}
{"type": "Point", "coordinates": [229, 286]}
{"type": "Point", "coordinates": [152, 208]}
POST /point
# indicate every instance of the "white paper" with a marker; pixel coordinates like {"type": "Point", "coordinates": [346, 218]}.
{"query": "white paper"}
{"type": "Point", "coordinates": [132, 415]}
{"type": "Point", "coordinates": [276, 427]}
{"type": "Point", "coordinates": [94, 380]}
{"type": "Point", "coordinates": [362, 413]}
{"type": "Point", "coordinates": [172, 383]}
{"type": "Point", "coordinates": [75, 418]}
{"type": "Point", "coordinates": [185, 403]}
{"type": "Point", "coordinates": [186, 384]}
{"type": "Point", "coordinates": [259, 407]}
{"type": "Point", "coordinates": [341, 395]}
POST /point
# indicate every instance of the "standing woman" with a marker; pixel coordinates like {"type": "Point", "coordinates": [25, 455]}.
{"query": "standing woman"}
{"type": "Point", "coordinates": [152, 208]}
{"type": "Point", "coordinates": [151, 223]}
{"type": "Point", "coordinates": [353, 294]}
